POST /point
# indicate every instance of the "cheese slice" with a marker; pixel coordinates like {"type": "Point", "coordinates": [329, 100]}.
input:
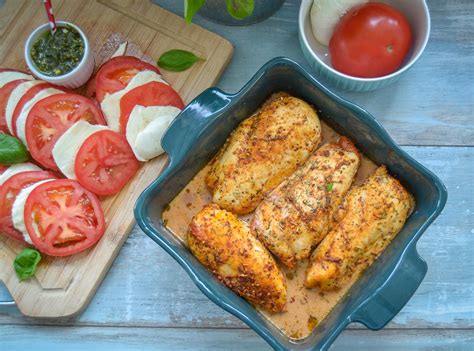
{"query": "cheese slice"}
{"type": "Point", "coordinates": [18, 209]}
{"type": "Point", "coordinates": [67, 146]}
{"type": "Point", "coordinates": [145, 128]}
{"type": "Point", "coordinates": [14, 98]}
{"type": "Point", "coordinates": [9, 76]}
{"type": "Point", "coordinates": [111, 103]}
{"type": "Point", "coordinates": [120, 50]}
{"type": "Point", "coordinates": [18, 168]}
{"type": "Point", "coordinates": [21, 121]}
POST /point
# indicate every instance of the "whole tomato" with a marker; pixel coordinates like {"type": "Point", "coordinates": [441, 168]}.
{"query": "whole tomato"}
{"type": "Point", "coordinates": [371, 40]}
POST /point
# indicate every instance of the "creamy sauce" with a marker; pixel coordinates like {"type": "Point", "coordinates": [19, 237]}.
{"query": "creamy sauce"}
{"type": "Point", "coordinates": [305, 308]}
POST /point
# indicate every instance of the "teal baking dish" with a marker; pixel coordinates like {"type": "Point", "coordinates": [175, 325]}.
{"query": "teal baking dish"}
{"type": "Point", "coordinates": [201, 129]}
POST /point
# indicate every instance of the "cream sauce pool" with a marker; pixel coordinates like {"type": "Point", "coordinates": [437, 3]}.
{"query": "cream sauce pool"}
{"type": "Point", "coordinates": [305, 308]}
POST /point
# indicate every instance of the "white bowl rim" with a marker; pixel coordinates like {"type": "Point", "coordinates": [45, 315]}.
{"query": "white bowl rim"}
{"type": "Point", "coordinates": [32, 66]}
{"type": "Point", "coordinates": [302, 16]}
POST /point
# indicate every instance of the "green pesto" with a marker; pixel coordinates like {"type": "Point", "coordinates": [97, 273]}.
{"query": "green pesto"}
{"type": "Point", "coordinates": [58, 54]}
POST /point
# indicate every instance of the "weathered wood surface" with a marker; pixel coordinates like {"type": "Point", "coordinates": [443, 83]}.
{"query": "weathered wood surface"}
{"type": "Point", "coordinates": [152, 339]}
{"type": "Point", "coordinates": [148, 303]}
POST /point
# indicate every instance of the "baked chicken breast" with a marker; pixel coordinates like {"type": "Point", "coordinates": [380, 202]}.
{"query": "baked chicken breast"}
{"type": "Point", "coordinates": [297, 215]}
{"type": "Point", "coordinates": [262, 151]}
{"type": "Point", "coordinates": [223, 243]}
{"type": "Point", "coordinates": [370, 217]}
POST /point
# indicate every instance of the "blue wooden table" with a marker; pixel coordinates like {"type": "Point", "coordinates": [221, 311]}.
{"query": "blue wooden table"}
{"type": "Point", "coordinates": [148, 303]}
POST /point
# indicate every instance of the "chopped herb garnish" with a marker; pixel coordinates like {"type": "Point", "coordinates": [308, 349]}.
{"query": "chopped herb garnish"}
{"type": "Point", "coordinates": [329, 187]}
{"type": "Point", "coordinates": [58, 54]}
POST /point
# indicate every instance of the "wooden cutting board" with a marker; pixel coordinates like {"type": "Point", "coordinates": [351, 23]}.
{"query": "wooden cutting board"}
{"type": "Point", "coordinates": [64, 286]}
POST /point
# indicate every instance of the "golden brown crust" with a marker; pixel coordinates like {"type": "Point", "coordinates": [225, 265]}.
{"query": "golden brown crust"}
{"type": "Point", "coordinates": [224, 244]}
{"type": "Point", "coordinates": [370, 217]}
{"type": "Point", "coordinates": [261, 152]}
{"type": "Point", "coordinates": [297, 215]}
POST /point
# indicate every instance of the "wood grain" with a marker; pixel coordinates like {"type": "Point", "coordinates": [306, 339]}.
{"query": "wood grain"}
{"type": "Point", "coordinates": [151, 339]}
{"type": "Point", "coordinates": [63, 286]}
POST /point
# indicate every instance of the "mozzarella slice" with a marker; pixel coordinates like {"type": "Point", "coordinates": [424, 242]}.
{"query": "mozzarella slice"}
{"type": "Point", "coordinates": [67, 146]}
{"type": "Point", "coordinates": [18, 210]}
{"type": "Point", "coordinates": [146, 127]}
{"type": "Point", "coordinates": [111, 103]}
{"type": "Point", "coordinates": [120, 50]}
{"type": "Point", "coordinates": [14, 98]}
{"type": "Point", "coordinates": [9, 76]}
{"type": "Point", "coordinates": [15, 169]}
{"type": "Point", "coordinates": [21, 121]}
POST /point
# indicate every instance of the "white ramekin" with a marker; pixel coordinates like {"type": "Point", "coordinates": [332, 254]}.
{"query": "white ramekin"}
{"type": "Point", "coordinates": [74, 79]}
{"type": "Point", "coordinates": [317, 54]}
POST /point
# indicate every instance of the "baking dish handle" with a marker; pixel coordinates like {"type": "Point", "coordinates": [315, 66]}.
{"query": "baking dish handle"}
{"type": "Point", "coordinates": [186, 128]}
{"type": "Point", "coordinates": [390, 298]}
{"type": "Point", "coordinates": [7, 303]}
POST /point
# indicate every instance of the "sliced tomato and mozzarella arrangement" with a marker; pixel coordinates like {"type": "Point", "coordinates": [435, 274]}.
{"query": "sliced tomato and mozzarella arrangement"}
{"type": "Point", "coordinates": [96, 145]}
{"type": "Point", "coordinates": [50, 118]}
{"type": "Point", "coordinates": [137, 102]}
{"type": "Point", "coordinates": [111, 103]}
{"type": "Point", "coordinates": [9, 80]}
{"type": "Point", "coordinates": [58, 216]}
{"type": "Point", "coordinates": [13, 180]}
{"type": "Point", "coordinates": [14, 98]}
{"type": "Point", "coordinates": [98, 157]}
{"type": "Point", "coordinates": [8, 75]}
{"type": "Point", "coordinates": [116, 73]}
{"type": "Point", "coordinates": [38, 113]}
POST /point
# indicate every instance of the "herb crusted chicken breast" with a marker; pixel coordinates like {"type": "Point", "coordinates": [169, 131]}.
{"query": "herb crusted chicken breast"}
{"type": "Point", "coordinates": [264, 149]}
{"type": "Point", "coordinates": [370, 217]}
{"type": "Point", "coordinates": [297, 215]}
{"type": "Point", "coordinates": [224, 245]}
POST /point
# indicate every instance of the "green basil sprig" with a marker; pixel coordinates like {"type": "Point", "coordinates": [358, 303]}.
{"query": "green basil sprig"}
{"type": "Point", "coordinates": [239, 9]}
{"type": "Point", "coordinates": [12, 150]}
{"type": "Point", "coordinates": [177, 60]}
{"type": "Point", "coordinates": [191, 7]}
{"type": "Point", "coordinates": [26, 262]}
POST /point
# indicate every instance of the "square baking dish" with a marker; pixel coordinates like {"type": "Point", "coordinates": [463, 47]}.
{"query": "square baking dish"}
{"type": "Point", "coordinates": [202, 128]}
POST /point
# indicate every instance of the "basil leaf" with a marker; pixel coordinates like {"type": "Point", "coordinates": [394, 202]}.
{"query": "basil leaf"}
{"type": "Point", "coordinates": [190, 9]}
{"type": "Point", "coordinates": [240, 9]}
{"type": "Point", "coordinates": [12, 150]}
{"type": "Point", "coordinates": [177, 60]}
{"type": "Point", "coordinates": [26, 262]}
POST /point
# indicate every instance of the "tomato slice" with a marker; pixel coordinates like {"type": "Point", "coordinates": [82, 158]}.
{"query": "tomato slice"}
{"type": "Point", "coordinates": [51, 117]}
{"type": "Point", "coordinates": [62, 218]}
{"type": "Point", "coordinates": [115, 74]}
{"type": "Point", "coordinates": [90, 88]}
{"type": "Point", "coordinates": [8, 193]}
{"type": "Point", "coordinates": [105, 163]}
{"type": "Point", "coordinates": [150, 94]}
{"type": "Point", "coordinates": [24, 99]}
{"type": "Point", "coordinates": [5, 92]}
